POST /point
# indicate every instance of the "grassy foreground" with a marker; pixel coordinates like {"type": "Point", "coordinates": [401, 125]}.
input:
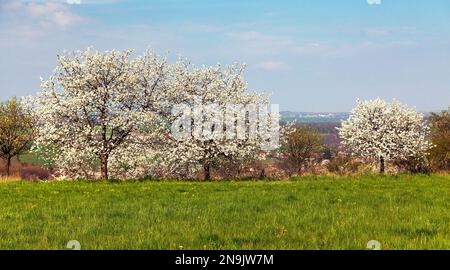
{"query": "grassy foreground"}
{"type": "Point", "coordinates": [401, 212]}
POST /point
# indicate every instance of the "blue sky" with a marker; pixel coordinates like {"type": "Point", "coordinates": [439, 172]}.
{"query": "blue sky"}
{"type": "Point", "coordinates": [311, 55]}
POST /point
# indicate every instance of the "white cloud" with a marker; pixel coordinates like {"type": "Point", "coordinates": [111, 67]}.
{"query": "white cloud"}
{"type": "Point", "coordinates": [53, 13]}
{"type": "Point", "coordinates": [272, 65]}
{"type": "Point", "coordinates": [63, 19]}
{"type": "Point", "coordinates": [38, 18]}
{"type": "Point", "coordinates": [74, 2]}
{"type": "Point", "coordinates": [94, 2]}
{"type": "Point", "coordinates": [274, 45]}
{"type": "Point", "coordinates": [374, 2]}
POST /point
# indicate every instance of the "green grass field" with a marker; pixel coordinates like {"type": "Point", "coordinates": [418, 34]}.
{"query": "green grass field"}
{"type": "Point", "coordinates": [401, 212]}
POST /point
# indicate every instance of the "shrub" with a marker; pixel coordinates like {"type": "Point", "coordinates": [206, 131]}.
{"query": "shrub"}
{"type": "Point", "coordinates": [440, 137]}
{"type": "Point", "coordinates": [302, 145]}
{"type": "Point", "coordinates": [34, 172]}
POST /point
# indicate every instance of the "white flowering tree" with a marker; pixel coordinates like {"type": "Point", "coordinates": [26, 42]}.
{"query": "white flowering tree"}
{"type": "Point", "coordinates": [217, 117]}
{"type": "Point", "coordinates": [385, 131]}
{"type": "Point", "coordinates": [103, 115]}
{"type": "Point", "coordinates": [98, 111]}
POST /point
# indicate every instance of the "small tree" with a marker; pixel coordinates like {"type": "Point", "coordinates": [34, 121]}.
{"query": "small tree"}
{"type": "Point", "coordinates": [440, 137]}
{"type": "Point", "coordinates": [16, 130]}
{"type": "Point", "coordinates": [385, 131]}
{"type": "Point", "coordinates": [301, 144]}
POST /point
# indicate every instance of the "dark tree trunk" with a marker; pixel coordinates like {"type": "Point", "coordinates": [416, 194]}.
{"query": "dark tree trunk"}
{"type": "Point", "coordinates": [263, 173]}
{"type": "Point", "coordinates": [305, 166]}
{"type": "Point", "coordinates": [207, 170]}
{"type": "Point", "coordinates": [104, 167]}
{"type": "Point", "coordinates": [8, 166]}
{"type": "Point", "coordinates": [300, 168]}
{"type": "Point", "coordinates": [382, 165]}
{"type": "Point", "coordinates": [238, 170]}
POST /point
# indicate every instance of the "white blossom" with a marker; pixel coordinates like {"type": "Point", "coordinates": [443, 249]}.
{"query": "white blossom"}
{"type": "Point", "coordinates": [105, 115]}
{"type": "Point", "coordinates": [95, 110]}
{"type": "Point", "coordinates": [385, 131]}
{"type": "Point", "coordinates": [208, 93]}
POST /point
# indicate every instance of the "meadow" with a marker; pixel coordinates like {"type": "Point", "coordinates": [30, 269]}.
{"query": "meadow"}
{"type": "Point", "coordinates": [401, 212]}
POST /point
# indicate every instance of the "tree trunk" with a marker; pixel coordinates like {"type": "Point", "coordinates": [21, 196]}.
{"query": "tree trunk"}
{"type": "Point", "coordinates": [381, 165]}
{"type": "Point", "coordinates": [207, 170]}
{"type": "Point", "coordinates": [305, 166]}
{"type": "Point", "coordinates": [238, 170]}
{"type": "Point", "coordinates": [104, 167]}
{"type": "Point", "coordinates": [263, 173]}
{"type": "Point", "coordinates": [8, 166]}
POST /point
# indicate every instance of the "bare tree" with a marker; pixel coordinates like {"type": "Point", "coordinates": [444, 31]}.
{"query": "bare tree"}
{"type": "Point", "coordinates": [301, 144]}
{"type": "Point", "coordinates": [440, 137]}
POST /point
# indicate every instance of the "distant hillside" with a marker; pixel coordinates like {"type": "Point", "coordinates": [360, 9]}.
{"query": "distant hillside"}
{"type": "Point", "coordinates": [308, 117]}
{"type": "Point", "coordinates": [320, 117]}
